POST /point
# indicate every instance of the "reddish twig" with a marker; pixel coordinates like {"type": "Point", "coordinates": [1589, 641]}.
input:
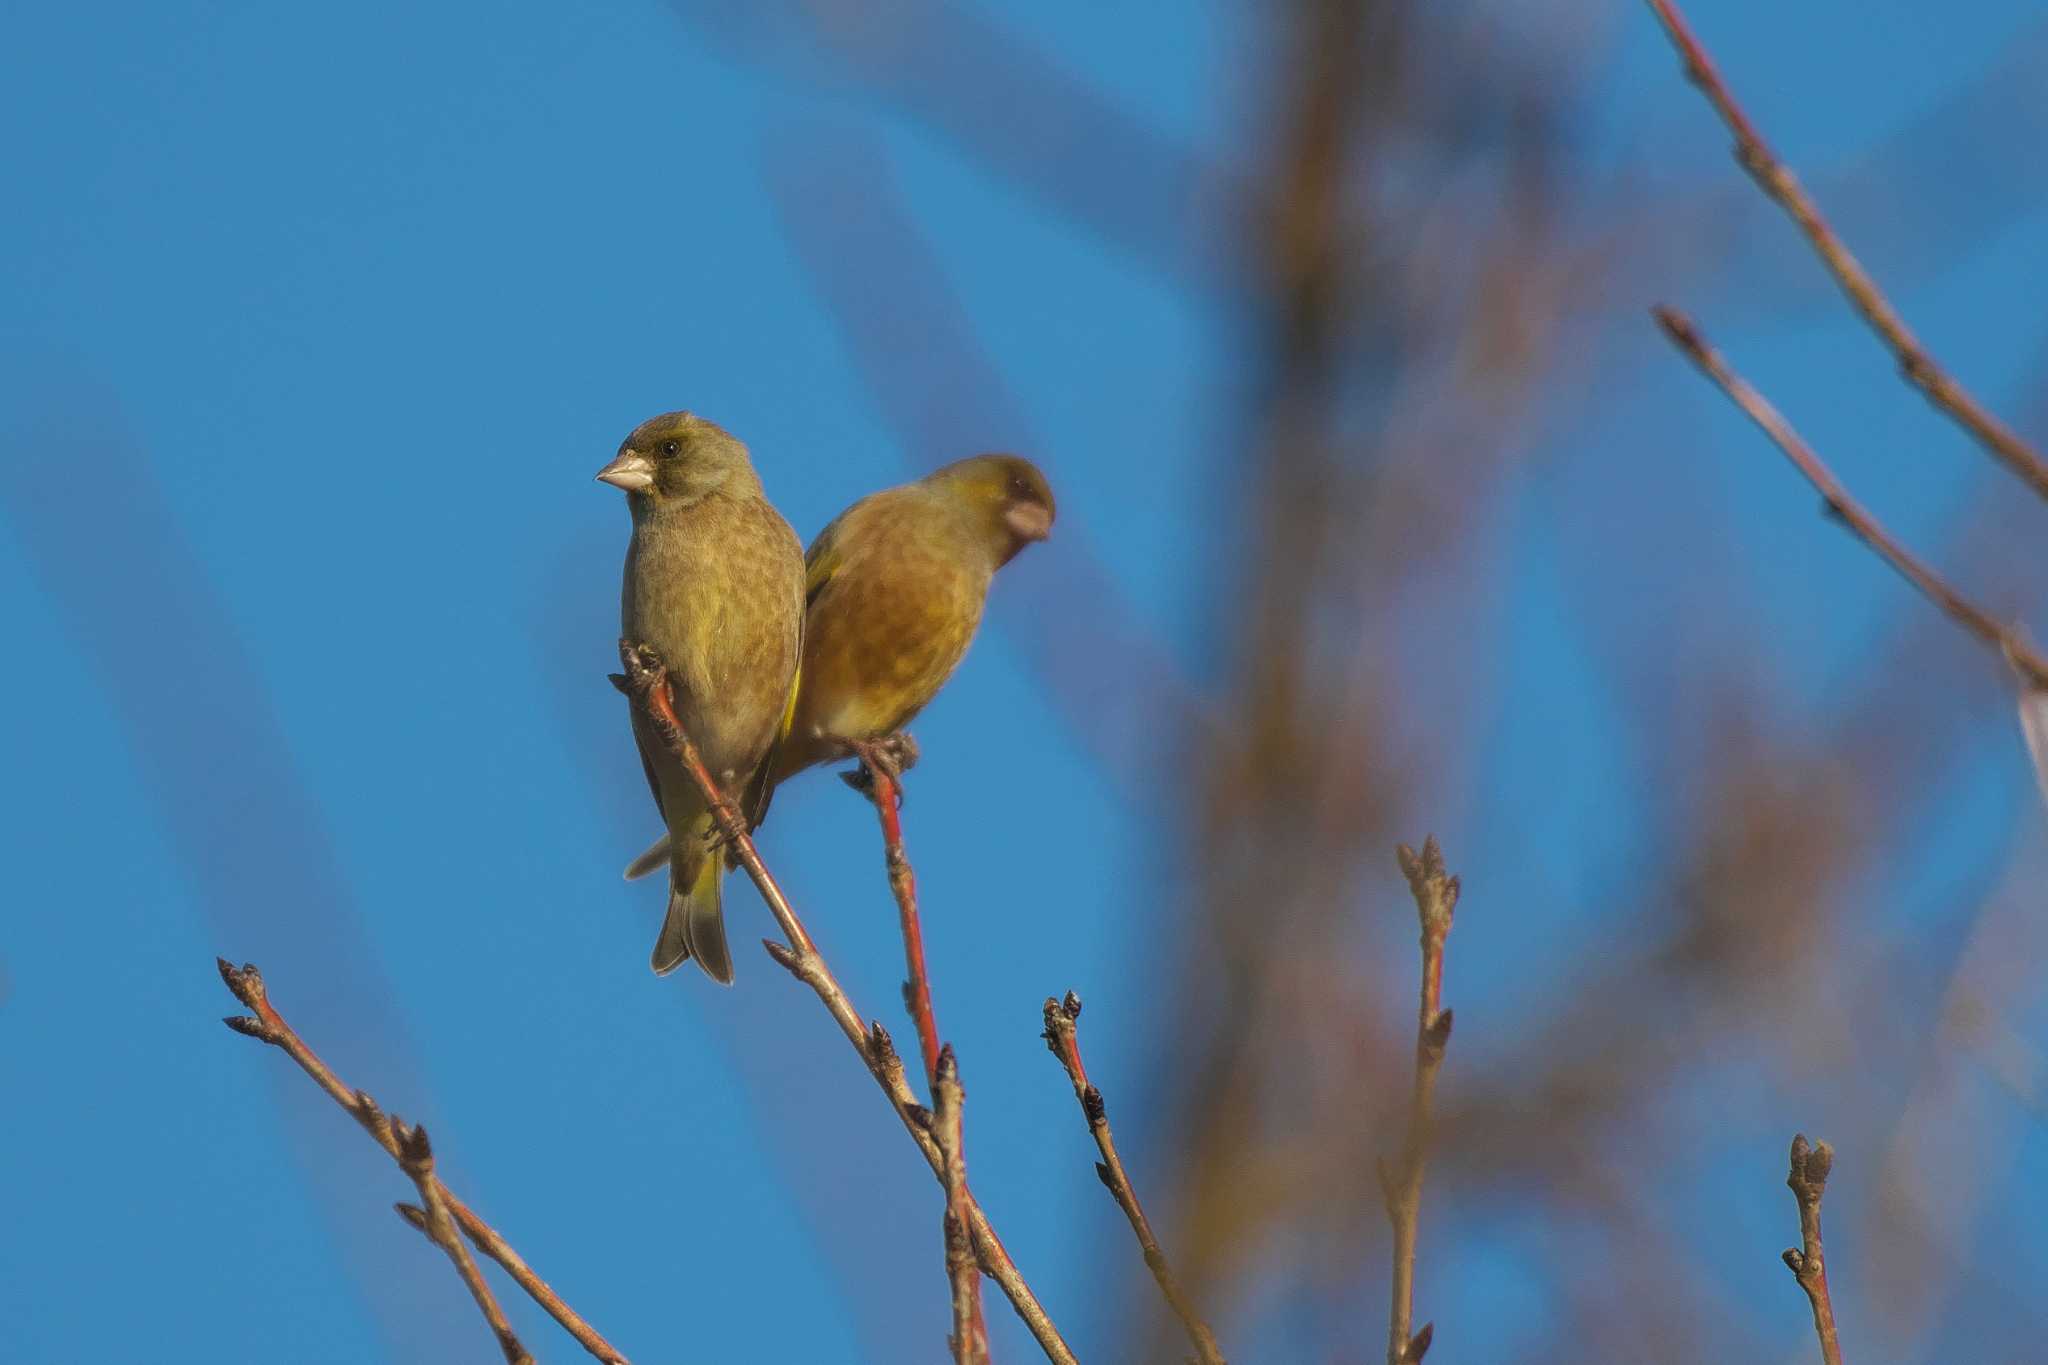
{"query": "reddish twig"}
{"type": "Point", "coordinates": [1808, 1181]}
{"type": "Point", "coordinates": [416, 1156]}
{"type": "Point", "coordinates": [1980, 623]}
{"type": "Point", "coordinates": [1436, 898]}
{"type": "Point", "coordinates": [646, 680]}
{"type": "Point", "coordinates": [1783, 188]}
{"type": "Point", "coordinates": [880, 779]}
{"type": "Point", "coordinates": [1062, 1038]}
{"type": "Point", "coordinates": [969, 1339]}
{"type": "Point", "coordinates": [883, 788]}
{"type": "Point", "coordinates": [269, 1026]}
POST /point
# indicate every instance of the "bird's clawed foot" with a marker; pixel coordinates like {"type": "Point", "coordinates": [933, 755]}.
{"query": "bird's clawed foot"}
{"type": "Point", "coordinates": [891, 756]}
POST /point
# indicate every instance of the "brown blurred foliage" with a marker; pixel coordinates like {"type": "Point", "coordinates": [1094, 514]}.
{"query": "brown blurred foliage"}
{"type": "Point", "coordinates": [1427, 288]}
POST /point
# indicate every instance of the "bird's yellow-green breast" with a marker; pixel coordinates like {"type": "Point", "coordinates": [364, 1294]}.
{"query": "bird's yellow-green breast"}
{"type": "Point", "coordinates": [714, 584]}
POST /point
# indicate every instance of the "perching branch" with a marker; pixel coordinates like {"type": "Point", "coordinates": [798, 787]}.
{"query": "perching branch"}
{"type": "Point", "coordinates": [1783, 188]}
{"type": "Point", "coordinates": [1436, 898]}
{"type": "Point", "coordinates": [969, 1339]}
{"type": "Point", "coordinates": [1978, 622]}
{"type": "Point", "coordinates": [1808, 1181]}
{"type": "Point", "coordinates": [1063, 1040]}
{"type": "Point", "coordinates": [430, 1216]}
{"type": "Point", "coordinates": [880, 779]}
{"type": "Point", "coordinates": [269, 1026]}
{"type": "Point", "coordinates": [646, 680]}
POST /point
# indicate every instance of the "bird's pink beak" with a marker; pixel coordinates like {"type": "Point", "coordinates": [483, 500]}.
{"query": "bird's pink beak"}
{"type": "Point", "coordinates": [632, 471]}
{"type": "Point", "coordinates": [1029, 520]}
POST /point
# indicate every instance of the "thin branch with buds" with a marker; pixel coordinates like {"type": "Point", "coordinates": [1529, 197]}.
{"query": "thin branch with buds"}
{"type": "Point", "coordinates": [268, 1026]}
{"type": "Point", "coordinates": [969, 1339]}
{"type": "Point", "coordinates": [1808, 1181]}
{"type": "Point", "coordinates": [646, 681]}
{"type": "Point", "coordinates": [1844, 508]}
{"type": "Point", "coordinates": [430, 1216]}
{"type": "Point", "coordinates": [1778, 183]}
{"type": "Point", "coordinates": [1063, 1040]}
{"type": "Point", "coordinates": [1436, 898]}
{"type": "Point", "coordinates": [879, 778]}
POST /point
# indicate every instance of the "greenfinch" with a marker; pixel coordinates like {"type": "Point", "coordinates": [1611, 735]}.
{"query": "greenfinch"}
{"type": "Point", "coordinates": [894, 590]}
{"type": "Point", "coordinates": [714, 584]}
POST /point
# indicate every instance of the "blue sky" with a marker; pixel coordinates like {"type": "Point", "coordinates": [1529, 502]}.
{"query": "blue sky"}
{"type": "Point", "coordinates": [317, 326]}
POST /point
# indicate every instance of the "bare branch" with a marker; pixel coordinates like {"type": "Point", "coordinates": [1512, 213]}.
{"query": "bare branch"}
{"type": "Point", "coordinates": [969, 1341]}
{"type": "Point", "coordinates": [646, 680]}
{"type": "Point", "coordinates": [269, 1026]}
{"type": "Point", "coordinates": [416, 1156]}
{"type": "Point", "coordinates": [1436, 898]}
{"type": "Point", "coordinates": [1980, 623]}
{"type": "Point", "coordinates": [1776, 180]}
{"type": "Point", "coordinates": [1063, 1040]}
{"type": "Point", "coordinates": [879, 780]}
{"type": "Point", "coordinates": [1808, 1181]}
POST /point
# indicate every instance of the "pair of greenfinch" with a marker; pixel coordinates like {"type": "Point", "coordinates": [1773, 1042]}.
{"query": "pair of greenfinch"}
{"type": "Point", "coordinates": [781, 659]}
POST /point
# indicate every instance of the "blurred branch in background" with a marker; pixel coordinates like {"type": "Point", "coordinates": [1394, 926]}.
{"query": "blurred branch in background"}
{"type": "Point", "coordinates": [409, 1148]}
{"type": "Point", "coordinates": [881, 283]}
{"type": "Point", "coordinates": [1011, 107]}
{"type": "Point", "coordinates": [1409, 253]}
{"type": "Point", "coordinates": [180, 689]}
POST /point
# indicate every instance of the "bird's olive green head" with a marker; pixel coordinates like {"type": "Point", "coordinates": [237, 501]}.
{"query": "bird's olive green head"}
{"type": "Point", "coordinates": [1005, 495]}
{"type": "Point", "coordinates": [680, 457]}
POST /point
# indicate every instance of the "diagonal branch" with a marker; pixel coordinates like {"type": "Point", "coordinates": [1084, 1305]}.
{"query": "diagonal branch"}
{"type": "Point", "coordinates": [1063, 1040]}
{"type": "Point", "coordinates": [646, 680]}
{"type": "Point", "coordinates": [1972, 618]}
{"type": "Point", "coordinates": [416, 1156]}
{"type": "Point", "coordinates": [1436, 898]}
{"type": "Point", "coordinates": [1778, 183]}
{"type": "Point", "coordinates": [267, 1025]}
{"type": "Point", "coordinates": [1808, 1181]}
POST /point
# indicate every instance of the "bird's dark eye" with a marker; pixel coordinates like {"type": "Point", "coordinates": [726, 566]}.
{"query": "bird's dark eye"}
{"type": "Point", "coordinates": [669, 447]}
{"type": "Point", "coordinates": [1020, 486]}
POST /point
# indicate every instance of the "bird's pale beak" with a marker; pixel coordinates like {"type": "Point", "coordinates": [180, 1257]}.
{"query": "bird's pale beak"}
{"type": "Point", "coordinates": [1029, 520]}
{"type": "Point", "coordinates": [632, 471]}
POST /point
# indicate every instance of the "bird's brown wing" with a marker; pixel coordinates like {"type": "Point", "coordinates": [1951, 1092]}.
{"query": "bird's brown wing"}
{"type": "Point", "coordinates": [647, 766]}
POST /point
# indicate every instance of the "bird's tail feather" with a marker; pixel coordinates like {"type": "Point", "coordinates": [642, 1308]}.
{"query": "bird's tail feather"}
{"type": "Point", "coordinates": [653, 860]}
{"type": "Point", "coordinates": [695, 925]}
